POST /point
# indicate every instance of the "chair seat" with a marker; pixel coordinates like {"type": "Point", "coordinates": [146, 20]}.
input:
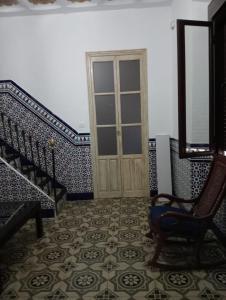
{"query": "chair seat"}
{"type": "Point", "coordinates": [169, 224]}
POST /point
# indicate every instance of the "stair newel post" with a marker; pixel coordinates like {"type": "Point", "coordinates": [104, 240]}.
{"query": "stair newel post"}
{"type": "Point", "coordinates": [52, 144]}
{"type": "Point", "coordinates": [46, 169]}
{"type": "Point", "coordinates": [3, 125]}
{"type": "Point", "coordinates": [32, 158]}
{"type": "Point", "coordinates": [39, 160]}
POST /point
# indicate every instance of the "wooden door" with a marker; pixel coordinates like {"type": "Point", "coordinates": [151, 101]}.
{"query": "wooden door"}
{"type": "Point", "coordinates": [118, 119]}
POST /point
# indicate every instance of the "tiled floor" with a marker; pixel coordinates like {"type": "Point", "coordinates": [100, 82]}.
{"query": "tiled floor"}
{"type": "Point", "coordinates": [98, 250]}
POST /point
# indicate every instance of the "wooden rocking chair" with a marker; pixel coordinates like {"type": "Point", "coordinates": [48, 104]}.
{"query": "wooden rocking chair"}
{"type": "Point", "coordinates": [167, 222]}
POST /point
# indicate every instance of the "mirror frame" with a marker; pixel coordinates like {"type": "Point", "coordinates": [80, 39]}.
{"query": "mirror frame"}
{"type": "Point", "coordinates": [183, 152]}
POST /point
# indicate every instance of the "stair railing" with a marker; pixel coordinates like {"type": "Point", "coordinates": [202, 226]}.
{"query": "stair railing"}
{"type": "Point", "coordinates": [30, 153]}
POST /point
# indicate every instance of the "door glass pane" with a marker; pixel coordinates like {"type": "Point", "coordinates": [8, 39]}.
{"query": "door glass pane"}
{"type": "Point", "coordinates": [129, 75]}
{"type": "Point", "coordinates": [105, 109]}
{"type": "Point", "coordinates": [197, 84]}
{"type": "Point", "coordinates": [130, 108]}
{"type": "Point", "coordinates": [103, 77]}
{"type": "Point", "coordinates": [131, 140]}
{"type": "Point", "coordinates": [107, 144]}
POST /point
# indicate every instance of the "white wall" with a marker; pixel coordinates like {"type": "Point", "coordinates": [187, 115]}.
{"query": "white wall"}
{"type": "Point", "coordinates": [46, 56]}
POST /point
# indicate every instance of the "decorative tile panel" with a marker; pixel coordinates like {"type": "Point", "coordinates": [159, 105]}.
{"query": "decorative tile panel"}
{"type": "Point", "coordinates": [199, 172]}
{"type": "Point", "coordinates": [152, 166]}
{"type": "Point", "coordinates": [189, 176]}
{"type": "Point", "coordinates": [70, 159]}
{"type": "Point", "coordinates": [72, 150]}
{"type": "Point", "coordinates": [181, 173]}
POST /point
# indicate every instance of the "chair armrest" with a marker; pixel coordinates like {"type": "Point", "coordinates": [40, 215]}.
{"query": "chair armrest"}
{"type": "Point", "coordinates": [171, 199]}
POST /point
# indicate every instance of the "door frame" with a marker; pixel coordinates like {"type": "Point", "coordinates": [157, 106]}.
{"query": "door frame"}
{"type": "Point", "coordinates": [90, 56]}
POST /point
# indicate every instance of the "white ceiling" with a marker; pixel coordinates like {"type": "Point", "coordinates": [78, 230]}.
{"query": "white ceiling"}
{"type": "Point", "coordinates": [33, 7]}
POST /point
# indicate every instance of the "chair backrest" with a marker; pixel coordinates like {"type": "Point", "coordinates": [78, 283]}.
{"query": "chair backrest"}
{"type": "Point", "coordinates": [214, 189]}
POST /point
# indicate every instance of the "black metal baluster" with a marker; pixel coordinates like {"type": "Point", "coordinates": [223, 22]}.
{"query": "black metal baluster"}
{"type": "Point", "coordinates": [10, 132]}
{"type": "Point", "coordinates": [52, 144]}
{"type": "Point", "coordinates": [24, 143]}
{"type": "Point", "coordinates": [17, 137]}
{"type": "Point", "coordinates": [46, 169]}
{"type": "Point", "coordinates": [18, 145]}
{"type": "Point", "coordinates": [3, 125]}
{"type": "Point", "coordinates": [13, 150]}
{"type": "Point", "coordinates": [2, 152]}
{"type": "Point", "coordinates": [25, 153]}
{"type": "Point", "coordinates": [39, 160]}
{"type": "Point", "coordinates": [32, 159]}
{"type": "Point", "coordinates": [2, 135]}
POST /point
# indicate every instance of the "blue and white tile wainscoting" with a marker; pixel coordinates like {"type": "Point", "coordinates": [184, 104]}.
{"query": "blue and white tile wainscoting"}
{"type": "Point", "coordinates": [189, 175]}
{"type": "Point", "coordinates": [72, 150]}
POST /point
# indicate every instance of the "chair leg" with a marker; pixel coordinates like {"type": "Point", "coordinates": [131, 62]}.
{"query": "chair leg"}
{"type": "Point", "coordinates": [150, 234]}
{"type": "Point", "coordinates": [153, 261]}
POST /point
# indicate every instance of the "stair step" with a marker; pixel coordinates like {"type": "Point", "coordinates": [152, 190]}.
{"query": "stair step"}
{"type": "Point", "coordinates": [59, 192]}
{"type": "Point", "coordinates": [58, 185]}
{"type": "Point", "coordinates": [11, 156]}
{"type": "Point", "coordinates": [25, 162]}
{"type": "Point", "coordinates": [60, 195]}
{"type": "Point", "coordinates": [2, 143]}
{"type": "Point", "coordinates": [40, 173]}
{"type": "Point", "coordinates": [28, 169]}
{"type": "Point", "coordinates": [8, 150]}
{"type": "Point", "coordinates": [44, 182]}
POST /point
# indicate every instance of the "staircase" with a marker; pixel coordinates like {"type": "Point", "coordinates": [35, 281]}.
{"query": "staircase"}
{"type": "Point", "coordinates": [32, 159]}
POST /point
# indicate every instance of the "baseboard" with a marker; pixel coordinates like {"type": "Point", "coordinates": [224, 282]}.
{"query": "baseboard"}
{"type": "Point", "coordinates": [79, 196]}
{"type": "Point", "coordinates": [48, 213]}
{"type": "Point", "coordinates": [89, 196]}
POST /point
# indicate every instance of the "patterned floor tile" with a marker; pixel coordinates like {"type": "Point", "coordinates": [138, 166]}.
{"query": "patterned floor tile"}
{"type": "Point", "coordinates": [39, 280]}
{"type": "Point", "coordinates": [97, 250]}
{"type": "Point", "coordinates": [130, 281]}
{"type": "Point", "coordinates": [92, 255]}
{"type": "Point", "coordinates": [218, 278]}
{"type": "Point", "coordinates": [130, 254]}
{"type": "Point", "coordinates": [177, 280]}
